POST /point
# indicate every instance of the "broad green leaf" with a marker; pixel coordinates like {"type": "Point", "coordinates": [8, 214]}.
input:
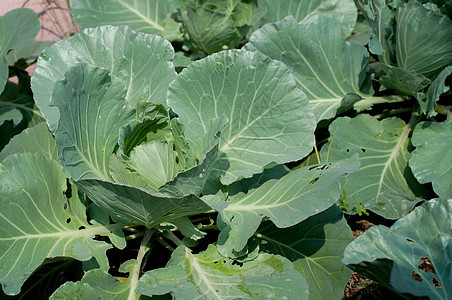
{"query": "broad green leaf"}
{"type": "Point", "coordinates": [37, 221]}
{"type": "Point", "coordinates": [384, 183]}
{"type": "Point", "coordinates": [315, 247]}
{"type": "Point", "coordinates": [37, 139]}
{"type": "Point", "coordinates": [269, 117]}
{"type": "Point", "coordinates": [92, 109]}
{"type": "Point", "coordinates": [208, 275]}
{"type": "Point", "coordinates": [435, 90]}
{"type": "Point", "coordinates": [405, 81]}
{"type": "Point", "coordinates": [326, 67]}
{"type": "Point", "coordinates": [270, 172]}
{"type": "Point", "coordinates": [424, 233]}
{"type": "Point", "coordinates": [140, 61]}
{"type": "Point", "coordinates": [29, 53]}
{"type": "Point", "coordinates": [96, 285]}
{"type": "Point", "coordinates": [18, 29]}
{"type": "Point", "coordinates": [286, 202]}
{"type": "Point", "coordinates": [140, 205]}
{"type": "Point", "coordinates": [342, 11]}
{"type": "Point", "coordinates": [423, 40]}
{"type": "Point", "coordinates": [430, 161]}
{"type": "Point", "coordinates": [362, 32]}
{"type": "Point", "coordinates": [148, 16]}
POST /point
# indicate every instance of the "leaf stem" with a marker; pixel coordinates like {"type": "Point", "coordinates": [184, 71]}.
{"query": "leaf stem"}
{"type": "Point", "coordinates": [134, 236]}
{"type": "Point", "coordinates": [137, 269]}
{"type": "Point", "coordinates": [317, 154]}
{"type": "Point", "coordinates": [174, 238]}
{"type": "Point", "coordinates": [165, 244]}
{"type": "Point", "coordinates": [208, 227]}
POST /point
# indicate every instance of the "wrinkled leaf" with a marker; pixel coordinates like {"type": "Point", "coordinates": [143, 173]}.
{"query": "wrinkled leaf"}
{"type": "Point", "coordinates": [344, 12]}
{"type": "Point", "coordinates": [286, 202]}
{"type": "Point", "coordinates": [39, 222]}
{"type": "Point", "coordinates": [209, 275]}
{"type": "Point", "coordinates": [424, 233]}
{"type": "Point", "coordinates": [384, 183]}
{"type": "Point", "coordinates": [315, 247]}
{"type": "Point", "coordinates": [140, 205]}
{"type": "Point", "coordinates": [148, 16]}
{"type": "Point", "coordinates": [269, 117]}
{"type": "Point", "coordinates": [326, 67]}
{"type": "Point", "coordinates": [141, 62]}
{"type": "Point", "coordinates": [18, 29]}
{"type": "Point", "coordinates": [430, 161]}
{"type": "Point", "coordinates": [92, 109]}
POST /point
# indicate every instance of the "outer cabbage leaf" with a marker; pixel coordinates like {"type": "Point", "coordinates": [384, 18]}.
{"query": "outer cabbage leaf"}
{"type": "Point", "coordinates": [430, 161]}
{"type": "Point", "coordinates": [424, 233]}
{"type": "Point", "coordinates": [344, 12]}
{"type": "Point", "coordinates": [38, 221]}
{"type": "Point", "coordinates": [92, 109]}
{"type": "Point", "coordinates": [97, 285]}
{"type": "Point", "coordinates": [37, 139]}
{"type": "Point", "coordinates": [140, 205]}
{"type": "Point", "coordinates": [208, 275]}
{"type": "Point", "coordinates": [423, 40]}
{"type": "Point", "coordinates": [384, 184]}
{"type": "Point", "coordinates": [286, 202]}
{"type": "Point", "coordinates": [141, 62]}
{"type": "Point", "coordinates": [315, 247]}
{"type": "Point", "coordinates": [269, 117]}
{"type": "Point", "coordinates": [326, 67]}
{"type": "Point", "coordinates": [18, 28]}
{"type": "Point", "coordinates": [148, 16]}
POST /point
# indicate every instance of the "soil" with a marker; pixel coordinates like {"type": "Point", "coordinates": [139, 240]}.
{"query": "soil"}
{"type": "Point", "coordinates": [360, 287]}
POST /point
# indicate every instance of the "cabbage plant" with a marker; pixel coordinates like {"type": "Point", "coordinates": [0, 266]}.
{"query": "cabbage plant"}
{"type": "Point", "coordinates": [228, 171]}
